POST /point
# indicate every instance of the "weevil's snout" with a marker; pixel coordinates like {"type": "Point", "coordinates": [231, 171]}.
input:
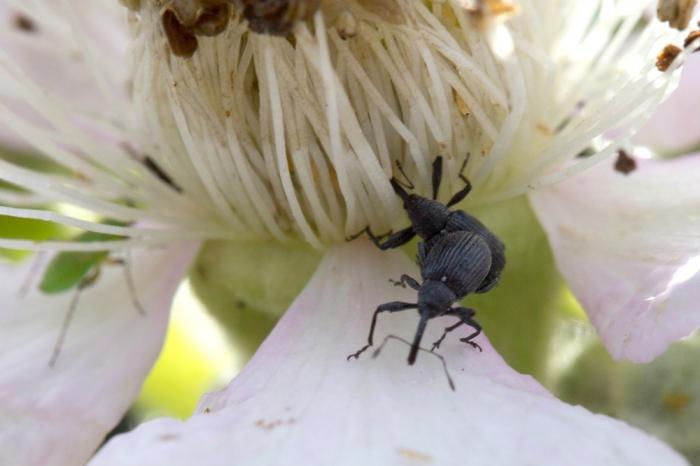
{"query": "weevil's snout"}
{"type": "Point", "coordinates": [398, 189]}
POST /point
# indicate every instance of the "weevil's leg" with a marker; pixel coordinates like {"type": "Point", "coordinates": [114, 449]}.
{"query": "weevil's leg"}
{"type": "Point", "coordinates": [399, 238]}
{"type": "Point", "coordinates": [442, 359]}
{"type": "Point", "coordinates": [405, 279]}
{"type": "Point", "coordinates": [86, 282]}
{"type": "Point", "coordinates": [393, 241]}
{"type": "Point", "coordinates": [436, 344]}
{"type": "Point", "coordinates": [466, 317]}
{"type": "Point", "coordinates": [437, 175]}
{"type": "Point", "coordinates": [394, 306]}
{"type": "Point", "coordinates": [408, 184]}
{"type": "Point", "coordinates": [461, 194]}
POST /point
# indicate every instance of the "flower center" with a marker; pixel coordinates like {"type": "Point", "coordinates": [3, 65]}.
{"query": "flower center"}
{"type": "Point", "coordinates": [299, 133]}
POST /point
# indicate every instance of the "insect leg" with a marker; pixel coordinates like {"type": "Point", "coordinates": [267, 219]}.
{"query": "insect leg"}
{"type": "Point", "coordinates": [461, 194]}
{"type": "Point", "coordinates": [437, 175]}
{"type": "Point", "coordinates": [405, 279]}
{"type": "Point", "coordinates": [465, 315]}
{"type": "Point", "coordinates": [130, 283]}
{"type": "Point", "coordinates": [393, 306]}
{"type": "Point", "coordinates": [87, 281]}
{"type": "Point", "coordinates": [393, 241]}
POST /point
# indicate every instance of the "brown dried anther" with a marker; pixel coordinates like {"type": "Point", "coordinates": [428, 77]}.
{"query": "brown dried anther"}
{"type": "Point", "coordinates": [25, 23]}
{"type": "Point", "coordinates": [692, 37]}
{"type": "Point", "coordinates": [484, 12]}
{"type": "Point", "coordinates": [676, 12]}
{"type": "Point", "coordinates": [277, 17]}
{"type": "Point", "coordinates": [182, 42]}
{"type": "Point", "coordinates": [187, 19]}
{"type": "Point", "coordinates": [666, 57]}
{"type": "Point", "coordinates": [624, 163]}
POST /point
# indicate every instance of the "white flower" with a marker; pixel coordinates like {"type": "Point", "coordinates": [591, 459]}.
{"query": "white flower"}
{"type": "Point", "coordinates": [272, 138]}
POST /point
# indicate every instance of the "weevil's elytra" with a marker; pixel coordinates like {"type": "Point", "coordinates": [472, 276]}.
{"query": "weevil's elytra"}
{"type": "Point", "coordinates": [458, 256]}
{"type": "Point", "coordinates": [431, 219]}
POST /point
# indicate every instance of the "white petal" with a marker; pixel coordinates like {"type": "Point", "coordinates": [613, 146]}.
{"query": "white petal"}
{"type": "Point", "coordinates": [675, 125]}
{"type": "Point", "coordinates": [75, 54]}
{"type": "Point", "coordinates": [59, 415]}
{"type": "Point", "coordinates": [629, 246]}
{"type": "Point", "coordinates": [299, 402]}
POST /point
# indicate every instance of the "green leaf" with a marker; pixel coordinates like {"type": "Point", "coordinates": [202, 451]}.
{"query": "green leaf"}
{"type": "Point", "coordinates": [519, 314]}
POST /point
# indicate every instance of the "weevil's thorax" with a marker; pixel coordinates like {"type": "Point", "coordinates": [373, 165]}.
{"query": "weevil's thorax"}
{"type": "Point", "coordinates": [435, 296]}
{"type": "Point", "coordinates": [427, 216]}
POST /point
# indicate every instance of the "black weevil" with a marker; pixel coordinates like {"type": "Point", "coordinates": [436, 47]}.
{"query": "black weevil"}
{"type": "Point", "coordinates": [456, 265]}
{"type": "Point", "coordinates": [458, 256]}
{"type": "Point", "coordinates": [430, 219]}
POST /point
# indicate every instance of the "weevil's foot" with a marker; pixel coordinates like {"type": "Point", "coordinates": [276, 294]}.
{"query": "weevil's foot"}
{"type": "Point", "coordinates": [397, 283]}
{"type": "Point", "coordinates": [436, 345]}
{"type": "Point", "coordinates": [472, 344]}
{"type": "Point", "coordinates": [355, 236]}
{"type": "Point", "coordinates": [357, 354]}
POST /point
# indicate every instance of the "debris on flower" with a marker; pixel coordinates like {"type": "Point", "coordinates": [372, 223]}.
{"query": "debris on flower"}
{"type": "Point", "coordinates": [666, 57]}
{"type": "Point", "coordinates": [484, 12]}
{"type": "Point", "coordinates": [624, 163]}
{"type": "Point", "coordinates": [277, 17]}
{"type": "Point", "coordinates": [182, 26]}
{"type": "Point", "coordinates": [692, 37]}
{"type": "Point", "coordinates": [676, 12]}
{"type": "Point", "coordinates": [25, 23]}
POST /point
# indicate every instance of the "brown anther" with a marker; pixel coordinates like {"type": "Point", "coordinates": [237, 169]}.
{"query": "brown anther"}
{"type": "Point", "coordinates": [676, 12]}
{"type": "Point", "coordinates": [277, 17]}
{"type": "Point", "coordinates": [25, 23]}
{"type": "Point", "coordinates": [693, 36]}
{"type": "Point", "coordinates": [624, 163]}
{"type": "Point", "coordinates": [666, 57]}
{"type": "Point", "coordinates": [182, 42]}
{"type": "Point", "coordinates": [212, 20]}
{"type": "Point", "coordinates": [484, 12]}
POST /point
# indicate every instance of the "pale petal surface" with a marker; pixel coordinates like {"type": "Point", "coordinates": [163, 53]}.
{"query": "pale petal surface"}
{"type": "Point", "coordinates": [57, 416]}
{"type": "Point", "coordinates": [74, 52]}
{"type": "Point", "coordinates": [675, 125]}
{"type": "Point", "coordinates": [629, 247]}
{"type": "Point", "coordinates": [299, 402]}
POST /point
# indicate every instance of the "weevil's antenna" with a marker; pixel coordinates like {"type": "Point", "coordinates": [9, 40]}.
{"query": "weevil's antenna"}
{"type": "Point", "coordinates": [440, 357]}
{"type": "Point", "coordinates": [408, 184]}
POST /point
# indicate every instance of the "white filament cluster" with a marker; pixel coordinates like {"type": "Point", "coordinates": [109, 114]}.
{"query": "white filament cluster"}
{"type": "Point", "coordinates": [273, 137]}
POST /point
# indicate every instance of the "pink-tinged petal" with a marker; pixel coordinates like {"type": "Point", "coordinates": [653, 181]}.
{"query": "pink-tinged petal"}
{"type": "Point", "coordinates": [57, 416]}
{"type": "Point", "coordinates": [299, 402]}
{"type": "Point", "coordinates": [629, 247]}
{"type": "Point", "coordinates": [675, 125]}
{"type": "Point", "coordinates": [76, 55]}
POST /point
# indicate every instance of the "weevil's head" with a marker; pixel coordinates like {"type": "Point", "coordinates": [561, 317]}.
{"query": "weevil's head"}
{"type": "Point", "coordinates": [436, 297]}
{"type": "Point", "coordinates": [428, 216]}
